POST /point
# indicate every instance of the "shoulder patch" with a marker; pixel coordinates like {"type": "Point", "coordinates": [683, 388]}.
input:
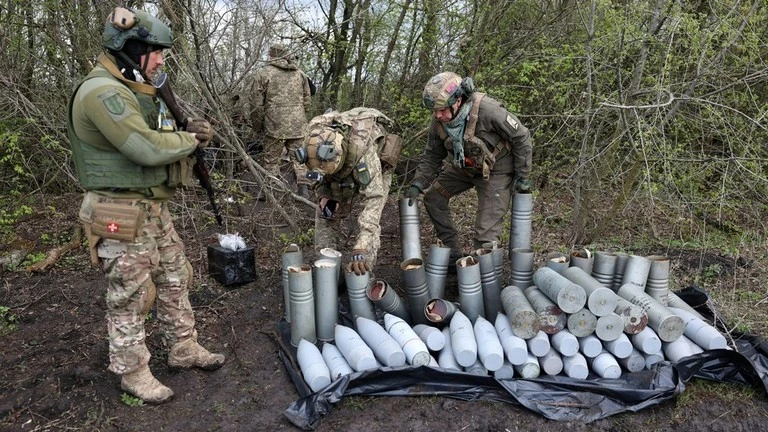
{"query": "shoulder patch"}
{"type": "Point", "coordinates": [113, 102]}
{"type": "Point", "coordinates": [512, 122]}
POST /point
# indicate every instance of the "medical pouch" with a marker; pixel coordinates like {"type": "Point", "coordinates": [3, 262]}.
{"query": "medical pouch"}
{"type": "Point", "coordinates": [117, 221]}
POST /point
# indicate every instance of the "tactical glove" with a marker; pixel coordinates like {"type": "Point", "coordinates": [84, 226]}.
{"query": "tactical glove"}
{"type": "Point", "coordinates": [523, 185]}
{"type": "Point", "coordinates": [413, 191]}
{"type": "Point", "coordinates": [202, 130]}
{"type": "Point", "coordinates": [358, 262]}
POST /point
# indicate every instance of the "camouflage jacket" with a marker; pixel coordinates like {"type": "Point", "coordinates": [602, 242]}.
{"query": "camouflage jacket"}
{"type": "Point", "coordinates": [279, 98]}
{"type": "Point", "coordinates": [366, 137]}
{"type": "Point", "coordinates": [119, 145]}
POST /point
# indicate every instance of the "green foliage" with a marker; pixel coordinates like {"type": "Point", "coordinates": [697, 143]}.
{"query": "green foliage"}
{"type": "Point", "coordinates": [712, 271]}
{"type": "Point", "coordinates": [750, 296]}
{"type": "Point", "coordinates": [33, 258]}
{"type": "Point", "coordinates": [8, 321]}
{"type": "Point", "coordinates": [301, 239]}
{"type": "Point", "coordinates": [9, 218]}
{"type": "Point", "coordinates": [131, 401]}
{"type": "Point", "coordinates": [55, 239]}
{"type": "Point", "coordinates": [739, 325]}
{"type": "Point", "coordinates": [13, 168]}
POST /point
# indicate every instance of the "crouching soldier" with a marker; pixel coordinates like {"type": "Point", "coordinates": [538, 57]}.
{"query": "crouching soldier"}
{"type": "Point", "coordinates": [350, 158]}
{"type": "Point", "coordinates": [130, 159]}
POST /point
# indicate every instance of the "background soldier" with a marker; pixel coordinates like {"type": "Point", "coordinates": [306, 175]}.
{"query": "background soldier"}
{"type": "Point", "coordinates": [488, 149]}
{"type": "Point", "coordinates": [279, 97]}
{"type": "Point", "coordinates": [351, 157]}
{"type": "Point", "coordinates": [130, 159]}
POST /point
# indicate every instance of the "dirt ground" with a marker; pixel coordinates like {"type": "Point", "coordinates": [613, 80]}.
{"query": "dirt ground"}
{"type": "Point", "coordinates": [53, 367]}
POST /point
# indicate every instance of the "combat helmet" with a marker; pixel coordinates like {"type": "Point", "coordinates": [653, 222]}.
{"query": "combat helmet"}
{"type": "Point", "coordinates": [323, 151]}
{"type": "Point", "coordinates": [443, 89]}
{"type": "Point", "coordinates": [124, 24]}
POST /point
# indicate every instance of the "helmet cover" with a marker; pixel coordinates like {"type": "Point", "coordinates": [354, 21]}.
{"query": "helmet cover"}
{"type": "Point", "coordinates": [325, 148]}
{"type": "Point", "coordinates": [442, 91]}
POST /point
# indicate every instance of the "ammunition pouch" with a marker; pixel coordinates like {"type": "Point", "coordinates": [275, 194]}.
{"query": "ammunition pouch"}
{"type": "Point", "coordinates": [478, 160]}
{"type": "Point", "coordinates": [345, 190]}
{"type": "Point", "coordinates": [390, 152]}
{"type": "Point", "coordinates": [181, 173]}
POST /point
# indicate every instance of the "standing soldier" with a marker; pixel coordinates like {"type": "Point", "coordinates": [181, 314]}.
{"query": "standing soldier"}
{"type": "Point", "coordinates": [351, 157]}
{"type": "Point", "coordinates": [488, 148]}
{"type": "Point", "coordinates": [130, 159]}
{"type": "Point", "coordinates": [279, 97]}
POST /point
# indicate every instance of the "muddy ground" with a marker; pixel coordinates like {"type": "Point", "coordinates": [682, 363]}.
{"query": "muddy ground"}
{"type": "Point", "coordinates": [53, 374]}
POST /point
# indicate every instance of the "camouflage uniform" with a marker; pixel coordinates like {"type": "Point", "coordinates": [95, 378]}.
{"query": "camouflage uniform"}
{"type": "Point", "coordinates": [280, 94]}
{"type": "Point", "coordinates": [365, 176]}
{"type": "Point", "coordinates": [152, 265]}
{"type": "Point", "coordinates": [495, 132]}
{"type": "Point", "coordinates": [109, 121]}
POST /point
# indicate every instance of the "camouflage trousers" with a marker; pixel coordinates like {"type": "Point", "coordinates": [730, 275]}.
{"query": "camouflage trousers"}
{"type": "Point", "coordinates": [154, 265]}
{"type": "Point", "coordinates": [493, 202]}
{"type": "Point", "coordinates": [329, 232]}
{"type": "Point", "coordinates": [271, 158]}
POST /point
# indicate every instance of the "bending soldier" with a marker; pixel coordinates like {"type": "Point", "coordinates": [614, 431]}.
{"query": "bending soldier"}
{"type": "Point", "coordinates": [350, 157]}
{"type": "Point", "coordinates": [488, 149]}
{"type": "Point", "coordinates": [130, 159]}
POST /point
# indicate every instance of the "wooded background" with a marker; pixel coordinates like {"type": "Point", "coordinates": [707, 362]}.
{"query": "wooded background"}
{"type": "Point", "coordinates": [632, 104]}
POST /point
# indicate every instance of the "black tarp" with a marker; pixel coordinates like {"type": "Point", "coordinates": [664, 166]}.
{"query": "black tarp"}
{"type": "Point", "coordinates": [554, 397]}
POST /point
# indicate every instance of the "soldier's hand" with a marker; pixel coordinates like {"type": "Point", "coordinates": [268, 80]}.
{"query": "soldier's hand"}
{"type": "Point", "coordinates": [413, 191]}
{"type": "Point", "coordinates": [359, 262]}
{"type": "Point", "coordinates": [523, 185]}
{"type": "Point", "coordinates": [201, 129]}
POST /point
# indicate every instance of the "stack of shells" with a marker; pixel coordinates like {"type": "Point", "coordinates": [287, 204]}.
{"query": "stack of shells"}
{"type": "Point", "coordinates": [605, 313]}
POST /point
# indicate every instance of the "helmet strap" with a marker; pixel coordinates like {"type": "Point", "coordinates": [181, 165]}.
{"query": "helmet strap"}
{"type": "Point", "coordinates": [454, 113]}
{"type": "Point", "coordinates": [124, 57]}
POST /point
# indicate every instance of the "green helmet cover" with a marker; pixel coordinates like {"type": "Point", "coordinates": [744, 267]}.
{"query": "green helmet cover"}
{"type": "Point", "coordinates": [124, 24]}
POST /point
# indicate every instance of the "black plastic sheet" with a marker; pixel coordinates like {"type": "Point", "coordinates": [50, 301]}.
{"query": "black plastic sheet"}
{"type": "Point", "coordinates": [554, 397]}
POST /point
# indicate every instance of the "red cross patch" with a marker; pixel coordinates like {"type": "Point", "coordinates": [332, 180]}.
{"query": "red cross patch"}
{"type": "Point", "coordinates": [113, 227]}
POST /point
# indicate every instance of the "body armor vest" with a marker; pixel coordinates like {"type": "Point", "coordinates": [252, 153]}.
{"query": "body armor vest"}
{"type": "Point", "coordinates": [107, 168]}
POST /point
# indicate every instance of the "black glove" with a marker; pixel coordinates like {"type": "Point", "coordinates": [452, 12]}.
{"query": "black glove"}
{"type": "Point", "coordinates": [413, 191]}
{"type": "Point", "coordinates": [359, 263]}
{"type": "Point", "coordinates": [523, 185]}
{"type": "Point", "coordinates": [202, 130]}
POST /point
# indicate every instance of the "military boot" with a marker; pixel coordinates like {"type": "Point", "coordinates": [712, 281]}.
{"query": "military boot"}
{"type": "Point", "coordinates": [144, 385]}
{"type": "Point", "coordinates": [188, 354]}
{"type": "Point", "coordinates": [455, 255]}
